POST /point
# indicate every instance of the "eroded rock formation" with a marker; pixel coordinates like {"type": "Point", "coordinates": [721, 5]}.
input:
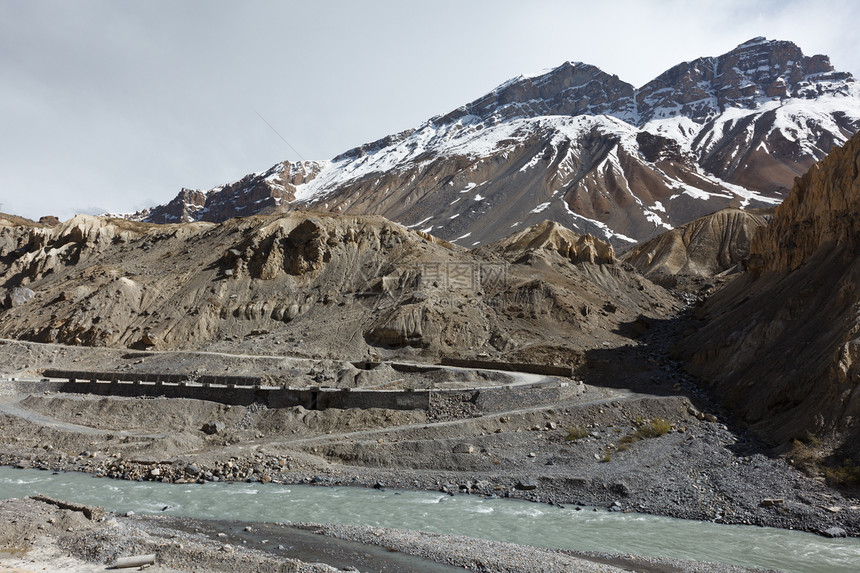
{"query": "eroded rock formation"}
{"type": "Point", "coordinates": [705, 247]}
{"type": "Point", "coordinates": [316, 283]}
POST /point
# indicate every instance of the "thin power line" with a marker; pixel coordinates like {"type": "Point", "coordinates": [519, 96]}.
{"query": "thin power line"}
{"type": "Point", "coordinates": [279, 135]}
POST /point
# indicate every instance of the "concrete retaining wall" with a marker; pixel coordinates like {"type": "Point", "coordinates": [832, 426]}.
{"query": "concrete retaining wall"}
{"type": "Point", "coordinates": [512, 397]}
{"type": "Point", "coordinates": [241, 395]}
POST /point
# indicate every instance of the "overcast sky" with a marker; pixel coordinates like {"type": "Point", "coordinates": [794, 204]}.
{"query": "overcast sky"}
{"type": "Point", "coordinates": [114, 106]}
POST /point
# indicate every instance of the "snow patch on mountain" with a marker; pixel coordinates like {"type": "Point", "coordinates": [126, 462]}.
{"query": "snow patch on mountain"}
{"type": "Point", "coordinates": [682, 129]}
{"type": "Point", "coordinates": [468, 137]}
{"type": "Point", "coordinates": [591, 224]}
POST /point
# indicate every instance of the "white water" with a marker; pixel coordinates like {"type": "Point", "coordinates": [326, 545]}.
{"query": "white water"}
{"type": "Point", "coordinates": [499, 519]}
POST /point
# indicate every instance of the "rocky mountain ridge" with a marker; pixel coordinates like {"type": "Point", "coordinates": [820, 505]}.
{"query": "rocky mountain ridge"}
{"type": "Point", "coordinates": [257, 193]}
{"type": "Point", "coordinates": [580, 147]}
{"type": "Point", "coordinates": [755, 71]}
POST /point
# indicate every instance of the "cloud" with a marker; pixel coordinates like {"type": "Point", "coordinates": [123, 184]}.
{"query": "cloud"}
{"type": "Point", "coordinates": [105, 103]}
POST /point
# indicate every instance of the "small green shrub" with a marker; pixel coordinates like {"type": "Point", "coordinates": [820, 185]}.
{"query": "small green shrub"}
{"type": "Point", "coordinates": [607, 456]}
{"type": "Point", "coordinates": [846, 475]}
{"type": "Point", "coordinates": [625, 442]}
{"type": "Point", "coordinates": [805, 458]}
{"type": "Point", "coordinates": [576, 433]}
{"type": "Point", "coordinates": [654, 429]}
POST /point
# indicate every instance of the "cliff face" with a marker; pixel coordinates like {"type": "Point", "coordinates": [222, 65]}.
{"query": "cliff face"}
{"type": "Point", "coordinates": [822, 211]}
{"type": "Point", "coordinates": [781, 344]}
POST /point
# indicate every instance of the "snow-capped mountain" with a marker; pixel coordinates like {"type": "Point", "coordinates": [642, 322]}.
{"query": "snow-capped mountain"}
{"type": "Point", "coordinates": [581, 147]}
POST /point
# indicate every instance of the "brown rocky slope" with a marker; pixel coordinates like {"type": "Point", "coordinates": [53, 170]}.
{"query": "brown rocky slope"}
{"type": "Point", "coordinates": [313, 284]}
{"type": "Point", "coordinates": [781, 343]}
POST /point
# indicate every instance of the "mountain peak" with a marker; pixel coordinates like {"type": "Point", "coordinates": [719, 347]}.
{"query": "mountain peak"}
{"type": "Point", "coordinates": [573, 88]}
{"type": "Point", "coordinates": [753, 42]}
{"type": "Point", "coordinates": [755, 72]}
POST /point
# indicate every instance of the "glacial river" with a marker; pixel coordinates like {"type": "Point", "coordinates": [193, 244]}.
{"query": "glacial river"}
{"type": "Point", "coordinates": [498, 519]}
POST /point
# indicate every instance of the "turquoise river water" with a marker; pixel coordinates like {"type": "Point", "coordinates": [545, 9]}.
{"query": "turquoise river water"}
{"type": "Point", "coordinates": [498, 519]}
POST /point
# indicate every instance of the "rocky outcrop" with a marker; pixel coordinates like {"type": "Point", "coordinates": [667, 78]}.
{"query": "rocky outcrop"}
{"type": "Point", "coordinates": [781, 343]}
{"type": "Point", "coordinates": [8, 220]}
{"type": "Point", "coordinates": [705, 247]}
{"type": "Point", "coordinates": [18, 296]}
{"type": "Point", "coordinates": [823, 210]}
{"type": "Point", "coordinates": [253, 194]}
{"type": "Point", "coordinates": [551, 237]}
{"type": "Point", "coordinates": [41, 250]}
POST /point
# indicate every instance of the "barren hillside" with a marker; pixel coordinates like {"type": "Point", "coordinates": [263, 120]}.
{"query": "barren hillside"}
{"type": "Point", "coordinates": [314, 284]}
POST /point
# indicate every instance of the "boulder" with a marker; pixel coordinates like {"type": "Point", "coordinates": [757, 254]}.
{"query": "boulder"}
{"type": "Point", "coordinates": [148, 339]}
{"type": "Point", "coordinates": [18, 296]}
{"type": "Point", "coordinates": [213, 428]}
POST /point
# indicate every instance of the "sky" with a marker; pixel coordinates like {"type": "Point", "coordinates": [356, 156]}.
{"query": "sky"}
{"type": "Point", "coordinates": [110, 106]}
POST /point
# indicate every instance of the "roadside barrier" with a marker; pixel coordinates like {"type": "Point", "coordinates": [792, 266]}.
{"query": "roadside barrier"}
{"type": "Point", "coordinates": [247, 390]}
